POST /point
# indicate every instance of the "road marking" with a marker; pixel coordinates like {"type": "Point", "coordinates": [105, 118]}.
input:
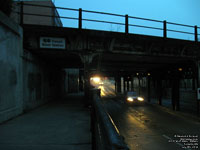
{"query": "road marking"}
{"type": "Point", "coordinates": [167, 137]}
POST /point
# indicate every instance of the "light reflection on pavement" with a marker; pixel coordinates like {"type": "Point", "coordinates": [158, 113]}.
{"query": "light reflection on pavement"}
{"type": "Point", "coordinates": [148, 128]}
{"type": "Point", "coordinates": [107, 89]}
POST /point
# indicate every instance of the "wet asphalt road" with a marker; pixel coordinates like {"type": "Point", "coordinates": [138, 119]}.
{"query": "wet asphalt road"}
{"type": "Point", "coordinates": [150, 128]}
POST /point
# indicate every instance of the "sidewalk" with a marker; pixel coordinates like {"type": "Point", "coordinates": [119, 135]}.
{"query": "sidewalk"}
{"type": "Point", "coordinates": [62, 125]}
{"type": "Point", "coordinates": [166, 106]}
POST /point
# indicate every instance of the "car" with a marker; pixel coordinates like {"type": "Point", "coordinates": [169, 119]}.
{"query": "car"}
{"type": "Point", "coordinates": [133, 98]}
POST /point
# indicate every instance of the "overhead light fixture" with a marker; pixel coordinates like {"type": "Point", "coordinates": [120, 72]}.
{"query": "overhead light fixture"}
{"type": "Point", "coordinates": [180, 69]}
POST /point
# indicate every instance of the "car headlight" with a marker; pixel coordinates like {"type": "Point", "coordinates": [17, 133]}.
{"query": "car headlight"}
{"type": "Point", "coordinates": [140, 99]}
{"type": "Point", "coordinates": [130, 99]}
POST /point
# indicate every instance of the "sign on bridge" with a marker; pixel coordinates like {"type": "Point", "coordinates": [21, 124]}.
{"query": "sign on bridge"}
{"type": "Point", "coordinates": [51, 42]}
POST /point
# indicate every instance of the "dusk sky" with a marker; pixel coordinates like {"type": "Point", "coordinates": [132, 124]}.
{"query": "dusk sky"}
{"type": "Point", "coordinates": [178, 11]}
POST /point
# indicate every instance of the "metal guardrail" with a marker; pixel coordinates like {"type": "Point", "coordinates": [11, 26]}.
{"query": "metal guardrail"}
{"type": "Point", "coordinates": [105, 135]}
{"type": "Point", "coordinates": [80, 20]}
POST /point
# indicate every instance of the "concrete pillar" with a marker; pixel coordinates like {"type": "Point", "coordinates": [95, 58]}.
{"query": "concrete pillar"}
{"type": "Point", "coordinates": [176, 92]}
{"type": "Point", "coordinates": [132, 84]}
{"type": "Point", "coordinates": [118, 84]}
{"type": "Point", "coordinates": [80, 81]}
{"type": "Point", "coordinates": [86, 84]}
{"type": "Point", "coordinates": [159, 90]}
{"type": "Point", "coordinates": [193, 84]}
{"type": "Point", "coordinates": [86, 60]}
{"type": "Point", "coordinates": [128, 85]}
{"type": "Point", "coordinates": [115, 85]}
{"type": "Point", "coordinates": [124, 85]}
{"type": "Point", "coordinates": [139, 86]}
{"type": "Point", "coordinates": [148, 89]}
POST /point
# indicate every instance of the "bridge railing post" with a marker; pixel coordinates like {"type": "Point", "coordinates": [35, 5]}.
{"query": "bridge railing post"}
{"type": "Point", "coordinates": [21, 13]}
{"type": "Point", "coordinates": [80, 19]}
{"type": "Point", "coordinates": [165, 29]}
{"type": "Point", "coordinates": [195, 34]}
{"type": "Point", "coordinates": [126, 24]}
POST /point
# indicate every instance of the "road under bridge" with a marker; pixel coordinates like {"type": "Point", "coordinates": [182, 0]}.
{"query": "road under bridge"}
{"type": "Point", "coordinates": [162, 63]}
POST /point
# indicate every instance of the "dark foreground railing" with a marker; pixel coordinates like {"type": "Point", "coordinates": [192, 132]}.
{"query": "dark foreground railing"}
{"type": "Point", "coordinates": [105, 135]}
{"type": "Point", "coordinates": [82, 16]}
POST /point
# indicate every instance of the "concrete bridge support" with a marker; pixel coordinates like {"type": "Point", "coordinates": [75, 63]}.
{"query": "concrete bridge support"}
{"type": "Point", "coordinates": [148, 89]}
{"type": "Point", "coordinates": [176, 91]}
{"type": "Point", "coordinates": [86, 60]}
{"type": "Point", "coordinates": [132, 83]}
{"type": "Point", "coordinates": [86, 84]}
{"type": "Point", "coordinates": [159, 90]}
{"type": "Point", "coordinates": [139, 85]}
{"type": "Point", "coordinates": [128, 85]}
{"type": "Point", "coordinates": [80, 83]}
{"type": "Point", "coordinates": [118, 84]}
{"type": "Point", "coordinates": [124, 85]}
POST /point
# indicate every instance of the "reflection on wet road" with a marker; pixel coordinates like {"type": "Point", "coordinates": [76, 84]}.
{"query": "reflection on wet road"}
{"type": "Point", "coordinates": [107, 89]}
{"type": "Point", "coordinates": [149, 128]}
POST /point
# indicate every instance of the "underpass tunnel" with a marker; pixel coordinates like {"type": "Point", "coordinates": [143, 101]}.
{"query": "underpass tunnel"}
{"type": "Point", "coordinates": [51, 75]}
{"type": "Point", "coordinates": [173, 86]}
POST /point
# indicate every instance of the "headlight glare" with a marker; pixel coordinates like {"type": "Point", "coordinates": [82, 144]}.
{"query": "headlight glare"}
{"type": "Point", "coordinates": [130, 99]}
{"type": "Point", "coordinates": [140, 99]}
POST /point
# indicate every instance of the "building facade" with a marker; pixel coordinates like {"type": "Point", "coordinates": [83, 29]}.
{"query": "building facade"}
{"type": "Point", "coordinates": [34, 13]}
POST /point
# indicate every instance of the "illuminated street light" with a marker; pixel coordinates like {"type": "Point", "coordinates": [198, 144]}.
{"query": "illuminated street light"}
{"type": "Point", "coordinates": [96, 80]}
{"type": "Point", "coordinates": [180, 69]}
{"type": "Point", "coordinates": [148, 74]}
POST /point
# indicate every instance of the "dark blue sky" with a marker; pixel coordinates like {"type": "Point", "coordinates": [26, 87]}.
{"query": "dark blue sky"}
{"type": "Point", "coordinates": [178, 11]}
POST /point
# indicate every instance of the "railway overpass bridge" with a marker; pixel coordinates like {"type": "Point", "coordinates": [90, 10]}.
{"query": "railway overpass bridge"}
{"type": "Point", "coordinates": [115, 54]}
{"type": "Point", "coordinates": [33, 72]}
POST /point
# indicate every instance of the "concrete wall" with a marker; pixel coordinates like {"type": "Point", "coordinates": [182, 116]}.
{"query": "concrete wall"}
{"type": "Point", "coordinates": [11, 96]}
{"type": "Point", "coordinates": [42, 81]}
{"type": "Point", "coordinates": [26, 81]}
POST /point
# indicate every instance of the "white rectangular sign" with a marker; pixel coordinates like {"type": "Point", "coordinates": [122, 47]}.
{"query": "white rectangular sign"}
{"type": "Point", "coordinates": [51, 42]}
